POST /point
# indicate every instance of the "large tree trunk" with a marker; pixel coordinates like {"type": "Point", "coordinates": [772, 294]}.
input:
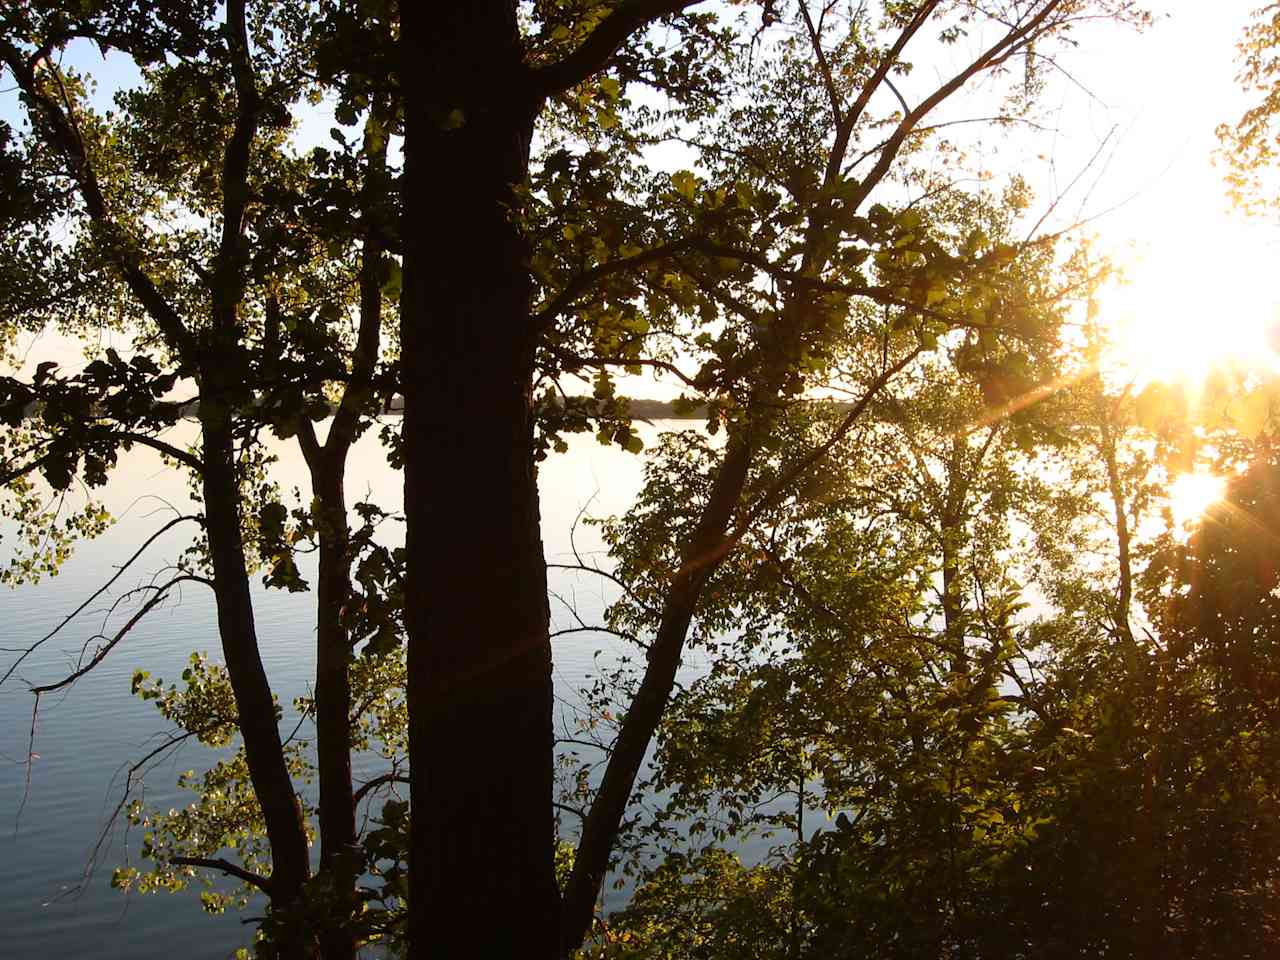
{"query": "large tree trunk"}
{"type": "Point", "coordinates": [482, 881]}
{"type": "Point", "coordinates": [259, 728]}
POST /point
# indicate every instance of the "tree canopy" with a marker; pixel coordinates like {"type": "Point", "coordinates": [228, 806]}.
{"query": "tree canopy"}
{"type": "Point", "coordinates": [963, 676]}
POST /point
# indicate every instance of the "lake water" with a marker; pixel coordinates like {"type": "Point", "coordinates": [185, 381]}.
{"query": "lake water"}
{"type": "Point", "coordinates": [55, 897]}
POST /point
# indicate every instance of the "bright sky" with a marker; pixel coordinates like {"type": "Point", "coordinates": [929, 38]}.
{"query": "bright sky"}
{"type": "Point", "coordinates": [1199, 274]}
{"type": "Point", "coordinates": [1157, 201]}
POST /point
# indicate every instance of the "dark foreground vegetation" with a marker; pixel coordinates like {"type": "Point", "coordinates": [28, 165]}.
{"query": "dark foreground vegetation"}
{"type": "Point", "coordinates": [983, 694]}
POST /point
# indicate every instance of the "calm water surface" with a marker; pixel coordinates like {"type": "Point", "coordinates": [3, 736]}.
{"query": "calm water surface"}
{"type": "Point", "coordinates": [55, 897]}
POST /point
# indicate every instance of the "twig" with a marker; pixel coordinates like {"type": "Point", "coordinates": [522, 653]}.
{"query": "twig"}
{"type": "Point", "coordinates": [161, 595]}
{"type": "Point", "coordinates": [580, 814]}
{"type": "Point", "coordinates": [96, 594]}
{"type": "Point", "coordinates": [379, 781]}
{"type": "Point", "coordinates": [608, 576]}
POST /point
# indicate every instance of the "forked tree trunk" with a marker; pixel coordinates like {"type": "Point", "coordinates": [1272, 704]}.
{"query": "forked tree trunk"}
{"type": "Point", "coordinates": [339, 854]}
{"type": "Point", "coordinates": [482, 880]}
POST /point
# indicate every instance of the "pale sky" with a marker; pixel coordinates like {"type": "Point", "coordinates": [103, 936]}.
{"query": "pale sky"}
{"type": "Point", "coordinates": [1195, 267]}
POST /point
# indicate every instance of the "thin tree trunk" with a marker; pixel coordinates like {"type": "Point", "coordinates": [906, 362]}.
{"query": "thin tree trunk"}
{"type": "Point", "coordinates": [328, 464]}
{"type": "Point", "coordinates": [482, 880]}
{"type": "Point", "coordinates": [1124, 597]}
{"type": "Point", "coordinates": [645, 711]}
{"type": "Point", "coordinates": [1142, 679]}
{"type": "Point", "coordinates": [257, 710]}
{"type": "Point", "coordinates": [333, 708]}
{"type": "Point", "coordinates": [220, 389]}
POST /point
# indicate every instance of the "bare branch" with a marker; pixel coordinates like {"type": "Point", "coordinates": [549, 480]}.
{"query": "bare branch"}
{"type": "Point", "coordinates": [629, 637]}
{"type": "Point", "coordinates": [997, 53]}
{"type": "Point", "coordinates": [585, 743]}
{"type": "Point", "coordinates": [161, 594]}
{"type": "Point", "coordinates": [97, 593]}
{"type": "Point", "coordinates": [602, 573]}
{"type": "Point", "coordinates": [579, 813]}
{"type": "Point", "coordinates": [379, 781]}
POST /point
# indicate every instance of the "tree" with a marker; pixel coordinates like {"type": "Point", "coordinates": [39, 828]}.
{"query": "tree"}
{"type": "Point", "coordinates": [1086, 778]}
{"type": "Point", "coordinates": [210, 352]}
{"type": "Point", "coordinates": [1249, 145]}
{"type": "Point", "coordinates": [478, 652]}
{"type": "Point", "coordinates": [860, 659]}
{"type": "Point", "coordinates": [762, 268]}
{"type": "Point", "coordinates": [232, 251]}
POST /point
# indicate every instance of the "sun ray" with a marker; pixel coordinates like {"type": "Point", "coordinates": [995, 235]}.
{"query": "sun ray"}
{"type": "Point", "coordinates": [1032, 396]}
{"type": "Point", "coordinates": [1187, 310]}
{"type": "Point", "coordinates": [1191, 494]}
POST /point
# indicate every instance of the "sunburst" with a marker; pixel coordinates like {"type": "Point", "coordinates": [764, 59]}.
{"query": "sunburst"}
{"type": "Point", "coordinates": [1191, 494]}
{"type": "Point", "coordinates": [1189, 310]}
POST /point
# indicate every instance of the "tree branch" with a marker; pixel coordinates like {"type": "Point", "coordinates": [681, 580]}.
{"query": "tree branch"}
{"type": "Point", "coordinates": [365, 356]}
{"type": "Point", "coordinates": [227, 867]}
{"type": "Point", "coordinates": [569, 358]}
{"type": "Point", "coordinates": [999, 51]}
{"type": "Point", "coordinates": [235, 167]}
{"type": "Point", "coordinates": [584, 568]}
{"type": "Point", "coordinates": [580, 814]}
{"type": "Point", "coordinates": [96, 594]}
{"type": "Point", "coordinates": [379, 781]}
{"type": "Point", "coordinates": [169, 450]}
{"type": "Point", "coordinates": [594, 52]}
{"type": "Point", "coordinates": [585, 281]}
{"type": "Point", "coordinates": [18, 472]}
{"type": "Point", "coordinates": [67, 140]}
{"type": "Point", "coordinates": [827, 80]}
{"type": "Point", "coordinates": [806, 463]}
{"type": "Point", "coordinates": [160, 595]}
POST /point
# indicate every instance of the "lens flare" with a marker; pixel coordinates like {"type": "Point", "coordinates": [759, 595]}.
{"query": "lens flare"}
{"type": "Point", "coordinates": [1184, 313]}
{"type": "Point", "coordinates": [1191, 494]}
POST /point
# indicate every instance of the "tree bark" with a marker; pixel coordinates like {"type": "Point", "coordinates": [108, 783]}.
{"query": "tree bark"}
{"type": "Point", "coordinates": [259, 727]}
{"type": "Point", "coordinates": [482, 880]}
{"type": "Point", "coordinates": [333, 706]}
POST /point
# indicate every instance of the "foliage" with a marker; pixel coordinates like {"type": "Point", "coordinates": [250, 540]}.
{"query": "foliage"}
{"type": "Point", "coordinates": [1072, 779]}
{"type": "Point", "coordinates": [858, 574]}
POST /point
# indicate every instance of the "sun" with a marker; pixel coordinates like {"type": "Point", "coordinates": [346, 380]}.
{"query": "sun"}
{"type": "Point", "coordinates": [1190, 308]}
{"type": "Point", "coordinates": [1191, 494]}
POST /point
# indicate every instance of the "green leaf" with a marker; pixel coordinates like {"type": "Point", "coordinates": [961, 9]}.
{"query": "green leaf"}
{"type": "Point", "coordinates": [685, 183]}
